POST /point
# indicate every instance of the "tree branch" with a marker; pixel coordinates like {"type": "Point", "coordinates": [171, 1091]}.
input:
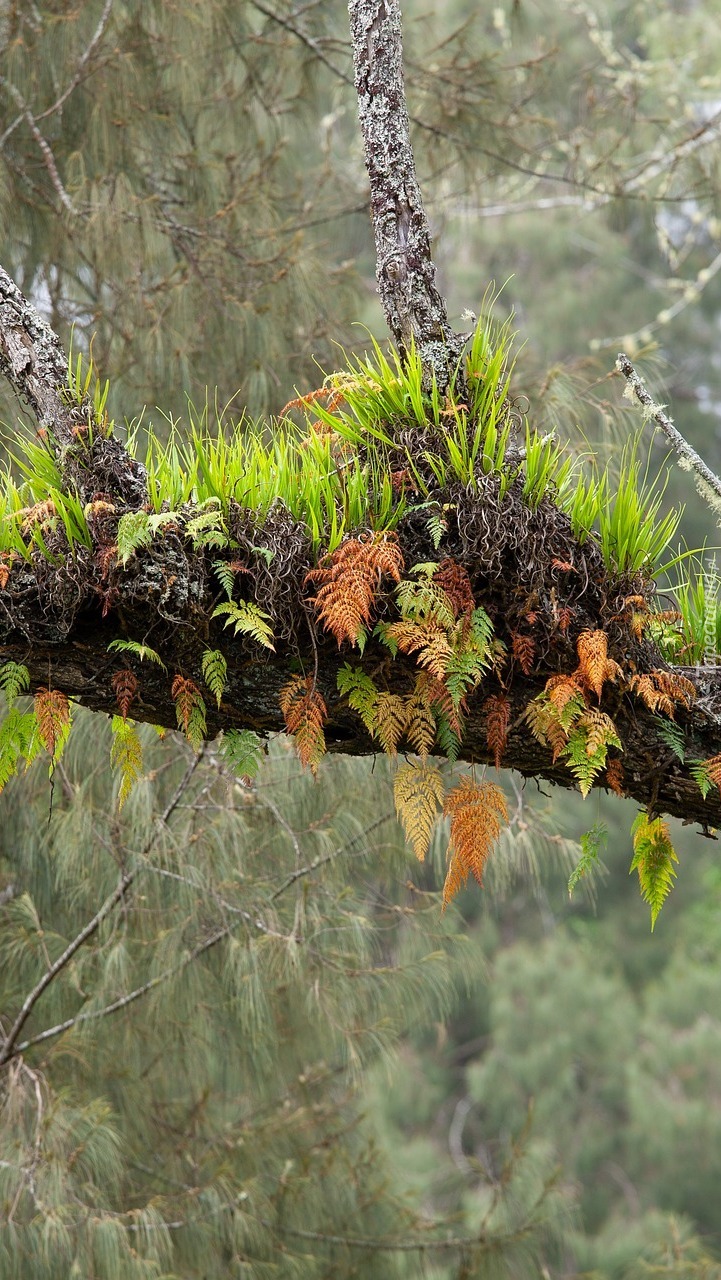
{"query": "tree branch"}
{"type": "Point", "coordinates": [415, 311]}
{"type": "Point", "coordinates": [709, 482]}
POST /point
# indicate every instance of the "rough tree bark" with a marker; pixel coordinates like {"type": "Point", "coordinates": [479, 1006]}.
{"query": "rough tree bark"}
{"type": "Point", "coordinates": [414, 309]}
{"type": "Point", "coordinates": [58, 619]}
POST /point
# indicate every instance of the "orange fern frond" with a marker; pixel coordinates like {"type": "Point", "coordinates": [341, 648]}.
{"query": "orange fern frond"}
{"type": "Point", "coordinates": [349, 579]}
{"type": "Point", "coordinates": [189, 708]}
{"type": "Point", "coordinates": [561, 689]}
{"type": "Point", "coordinates": [418, 795]}
{"type": "Point", "coordinates": [498, 716]}
{"type": "Point", "coordinates": [125, 688]}
{"type": "Point", "coordinates": [476, 813]}
{"type": "Point", "coordinates": [594, 665]}
{"type": "Point", "coordinates": [565, 617]}
{"type": "Point", "coordinates": [305, 713]}
{"type": "Point", "coordinates": [615, 775]}
{"type": "Point", "coordinates": [523, 649]}
{"type": "Point", "coordinates": [332, 395]}
{"type": "Point", "coordinates": [52, 712]}
{"type": "Point", "coordinates": [663, 690]}
{"type": "Point", "coordinates": [712, 768]}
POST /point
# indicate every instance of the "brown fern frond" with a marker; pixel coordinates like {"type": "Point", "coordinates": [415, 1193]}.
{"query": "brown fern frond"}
{"type": "Point", "coordinates": [498, 715]}
{"type": "Point", "coordinates": [39, 513]}
{"type": "Point", "coordinates": [185, 694]}
{"type": "Point", "coordinates": [52, 712]}
{"type": "Point", "coordinates": [712, 768]}
{"type": "Point", "coordinates": [523, 648]}
{"type": "Point", "coordinates": [453, 579]}
{"type": "Point", "coordinates": [305, 713]}
{"type": "Point", "coordinates": [476, 813]}
{"type": "Point", "coordinates": [678, 688]}
{"type": "Point", "coordinates": [663, 690]}
{"type": "Point", "coordinates": [615, 776]}
{"type": "Point", "coordinates": [421, 725]}
{"type": "Point", "coordinates": [565, 617]}
{"type": "Point", "coordinates": [349, 579]}
{"type": "Point", "coordinates": [125, 688]}
{"type": "Point", "coordinates": [418, 795]}
{"type": "Point", "coordinates": [594, 665]}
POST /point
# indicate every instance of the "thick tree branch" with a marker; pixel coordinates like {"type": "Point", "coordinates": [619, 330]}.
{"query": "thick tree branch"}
{"type": "Point", "coordinates": [414, 309]}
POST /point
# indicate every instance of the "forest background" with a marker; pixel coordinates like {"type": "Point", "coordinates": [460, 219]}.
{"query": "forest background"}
{"type": "Point", "coordinates": [282, 1059]}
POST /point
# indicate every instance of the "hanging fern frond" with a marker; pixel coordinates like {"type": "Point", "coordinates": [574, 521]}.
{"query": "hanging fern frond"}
{"type": "Point", "coordinates": [125, 688]}
{"type": "Point", "coordinates": [587, 747]}
{"type": "Point", "coordinates": [215, 672]}
{"type": "Point", "coordinates": [246, 619]}
{"type": "Point", "coordinates": [126, 755]}
{"type": "Point", "coordinates": [477, 813]}
{"type": "Point", "coordinates": [421, 721]}
{"type": "Point", "coordinates": [418, 795]}
{"type": "Point", "coordinates": [14, 680]}
{"type": "Point", "coordinates": [243, 751]}
{"type": "Point", "coordinates": [498, 717]}
{"type": "Point", "coordinates": [593, 842]}
{"type": "Point", "coordinates": [523, 649]}
{"type": "Point", "coordinates": [361, 693]}
{"type": "Point", "coordinates": [52, 712]}
{"type": "Point", "coordinates": [663, 690]}
{"type": "Point", "coordinates": [19, 740]}
{"type": "Point", "coordinates": [454, 581]}
{"type": "Point", "coordinates": [653, 858]}
{"type": "Point", "coordinates": [305, 713]}
{"type": "Point", "coordinates": [190, 710]}
{"type": "Point", "coordinates": [349, 580]}
{"type": "Point", "coordinates": [615, 776]}
{"type": "Point", "coordinates": [141, 651]}
{"type": "Point", "coordinates": [673, 735]}
{"type": "Point", "coordinates": [391, 718]}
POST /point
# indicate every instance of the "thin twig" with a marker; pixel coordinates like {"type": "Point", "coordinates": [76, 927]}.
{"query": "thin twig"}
{"type": "Point", "coordinates": [693, 461]}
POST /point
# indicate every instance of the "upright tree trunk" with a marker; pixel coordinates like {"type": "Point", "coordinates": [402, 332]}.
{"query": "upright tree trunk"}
{"type": "Point", "coordinates": [415, 311]}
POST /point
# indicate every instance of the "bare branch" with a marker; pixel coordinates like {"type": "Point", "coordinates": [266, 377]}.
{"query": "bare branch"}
{"type": "Point", "coordinates": [709, 482]}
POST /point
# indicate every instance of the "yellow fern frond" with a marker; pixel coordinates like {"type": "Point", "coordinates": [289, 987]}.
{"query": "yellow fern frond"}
{"type": "Point", "coordinates": [421, 725]}
{"type": "Point", "coordinates": [391, 718]}
{"type": "Point", "coordinates": [476, 813]}
{"type": "Point", "coordinates": [428, 639]}
{"type": "Point", "coordinates": [418, 795]}
{"type": "Point", "coordinates": [599, 729]}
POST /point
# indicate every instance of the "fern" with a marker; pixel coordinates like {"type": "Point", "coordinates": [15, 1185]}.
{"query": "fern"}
{"type": "Point", "coordinates": [523, 648]}
{"type": "Point", "coordinates": [587, 747]}
{"type": "Point", "coordinates": [208, 530]}
{"type": "Point", "coordinates": [593, 842]}
{"type": "Point", "coordinates": [243, 751]}
{"type": "Point", "coordinates": [126, 755]}
{"type": "Point", "coordinates": [476, 813]}
{"type": "Point", "coordinates": [141, 651]}
{"type": "Point", "coordinates": [215, 671]}
{"type": "Point", "coordinates": [662, 690]}
{"type": "Point", "coordinates": [14, 680]}
{"type": "Point", "coordinates": [361, 693]}
{"type": "Point", "coordinates": [246, 619]}
{"type": "Point", "coordinates": [418, 795]}
{"type": "Point", "coordinates": [19, 739]}
{"type": "Point", "coordinates": [700, 774]}
{"type": "Point", "coordinates": [134, 531]}
{"type": "Point", "coordinates": [225, 573]}
{"type": "Point", "coordinates": [305, 713]}
{"type": "Point", "coordinates": [437, 528]}
{"type": "Point", "coordinates": [498, 716]}
{"type": "Point", "coordinates": [190, 710]}
{"type": "Point", "coordinates": [472, 657]}
{"type": "Point", "coordinates": [421, 721]}
{"type": "Point", "coordinates": [653, 858]}
{"type": "Point", "coordinates": [673, 735]}
{"type": "Point", "coordinates": [391, 718]}
{"type": "Point", "coordinates": [349, 579]}
{"type": "Point", "coordinates": [447, 738]}
{"type": "Point", "coordinates": [52, 712]}
{"type": "Point", "coordinates": [125, 688]}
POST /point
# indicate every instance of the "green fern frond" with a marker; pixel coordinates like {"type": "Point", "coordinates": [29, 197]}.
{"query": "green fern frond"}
{"type": "Point", "coordinates": [215, 671]}
{"type": "Point", "coordinates": [700, 775]}
{"type": "Point", "coordinates": [653, 858]}
{"type": "Point", "coordinates": [246, 619]}
{"type": "Point", "coordinates": [19, 740]}
{"type": "Point", "coordinates": [14, 680]}
{"type": "Point", "coordinates": [361, 693]}
{"type": "Point", "coordinates": [243, 751]}
{"type": "Point", "coordinates": [135, 647]}
{"type": "Point", "coordinates": [208, 529]}
{"type": "Point", "coordinates": [593, 842]}
{"type": "Point", "coordinates": [126, 755]}
{"type": "Point", "coordinates": [225, 575]}
{"type": "Point", "coordinates": [134, 531]}
{"type": "Point", "coordinates": [673, 735]}
{"type": "Point", "coordinates": [446, 737]}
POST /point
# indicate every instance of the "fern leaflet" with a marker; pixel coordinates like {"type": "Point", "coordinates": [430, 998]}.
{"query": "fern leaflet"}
{"type": "Point", "coordinates": [243, 751]}
{"type": "Point", "coordinates": [593, 842]}
{"type": "Point", "coordinates": [134, 531]}
{"type": "Point", "coordinates": [305, 713]}
{"type": "Point", "coordinates": [125, 688]}
{"type": "Point", "coordinates": [14, 680]}
{"type": "Point", "coordinates": [141, 651]}
{"type": "Point", "coordinates": [190, 710]}
{"type": "Point", "coordinates": [52, 712]}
